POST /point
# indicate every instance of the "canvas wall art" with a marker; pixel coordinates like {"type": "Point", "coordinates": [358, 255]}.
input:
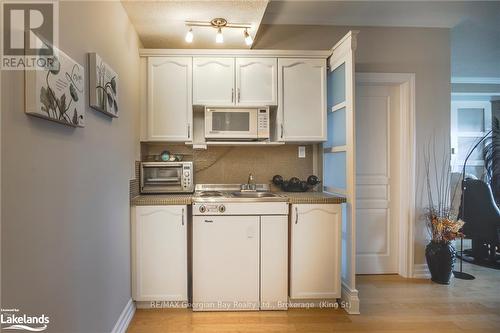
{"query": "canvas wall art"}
{"type": "Point", "coordinates": [57, 94]}
{"type": "Point", "coordinates": [103, 86]}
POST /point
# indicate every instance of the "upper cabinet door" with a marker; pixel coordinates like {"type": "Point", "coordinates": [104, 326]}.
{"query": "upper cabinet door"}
{"type": "Point", "coordinates": [256, 81]}
{"type": "Point", "coordinates": [302, 99]}
{"type": "Point", "coordinates": [170, 109]}
{"type": "Point", "coordinates": [213, 81]}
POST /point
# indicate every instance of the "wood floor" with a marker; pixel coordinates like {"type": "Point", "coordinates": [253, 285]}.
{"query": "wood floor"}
{"type": "Point", "coordinates": [388, 304]}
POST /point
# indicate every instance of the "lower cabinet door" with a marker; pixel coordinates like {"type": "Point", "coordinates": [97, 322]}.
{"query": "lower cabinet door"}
{"type": "Point", "coordinates": [274, 262]}
{"type": "Point", "coordinates": [159, 253]}
{"type": "Point", "coordinates": [315, 251]}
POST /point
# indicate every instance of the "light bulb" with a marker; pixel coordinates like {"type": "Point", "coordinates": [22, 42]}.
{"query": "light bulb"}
{"type": "Point", "coordinates": [189, 36]}
{"type": "Point", "coordinates": [248, 38]}
{"type": "Point", "coordinates": [219, 38]}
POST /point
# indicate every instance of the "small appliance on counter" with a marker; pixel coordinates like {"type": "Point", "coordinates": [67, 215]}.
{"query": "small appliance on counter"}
{"type": "Point", "coordinates": [294, 184]}
{"type": "Point", "coordinates": [167, 177]}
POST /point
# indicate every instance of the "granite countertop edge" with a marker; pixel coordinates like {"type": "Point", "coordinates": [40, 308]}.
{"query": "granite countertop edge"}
{"type": "Point", "coordinates": [186, 199]}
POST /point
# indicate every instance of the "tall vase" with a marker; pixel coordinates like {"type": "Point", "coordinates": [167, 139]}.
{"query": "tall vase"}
{"type": "Point", "coordinates": [440, 258]}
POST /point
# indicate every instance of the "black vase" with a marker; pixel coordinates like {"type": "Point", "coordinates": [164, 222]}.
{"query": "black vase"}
{"type": "Point", "coordinates": [440, 258]}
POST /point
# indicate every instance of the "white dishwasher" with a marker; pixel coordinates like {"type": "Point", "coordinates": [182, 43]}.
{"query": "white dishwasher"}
{"type": "Point", "coordinates": [240, 253]}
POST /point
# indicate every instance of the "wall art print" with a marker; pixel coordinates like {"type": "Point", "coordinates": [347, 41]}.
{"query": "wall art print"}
{"type": "Point", "coordinates": [103, 86]}
{"type": "Point", "coordinates": [57, 94]}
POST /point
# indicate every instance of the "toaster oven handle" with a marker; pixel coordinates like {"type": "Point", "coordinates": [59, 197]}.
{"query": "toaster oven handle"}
{"type": "Point", "coordinates": [182, 216]}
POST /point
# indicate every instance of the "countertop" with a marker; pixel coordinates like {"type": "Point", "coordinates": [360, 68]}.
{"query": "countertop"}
{"type": "Point", "coordinates": [186, 199]}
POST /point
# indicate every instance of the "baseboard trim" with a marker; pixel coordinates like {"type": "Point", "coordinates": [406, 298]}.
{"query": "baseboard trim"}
{"type": "Point", "coordinates": [125, 318]}
{"type": "Point", "coordinates": [421, 271]}
{"type": "Point", "coordinates": [350, 299]}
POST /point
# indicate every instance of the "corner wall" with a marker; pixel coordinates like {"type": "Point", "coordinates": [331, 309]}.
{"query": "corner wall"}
{"type": "Point", "coordinates": [65, 192]}
{"type": "Point", "coordinates": [425, 52]}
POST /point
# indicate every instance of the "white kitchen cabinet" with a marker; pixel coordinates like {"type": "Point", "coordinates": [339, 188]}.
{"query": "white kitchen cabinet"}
{"type": "Point", "coordinates": [315, 251]}
{"type": "Point", "coordinates": [159, 253]}
{"type": "Point", "coordinates": [274, 262]}
{"type": "Point", "coordinates": [169, 105]}
{"type": "Point", "coordinates": [213, 81]}
{"type": "Point", "coordinates": [256, 81]}
{"type": "Point", "coordinates": [302, 99]}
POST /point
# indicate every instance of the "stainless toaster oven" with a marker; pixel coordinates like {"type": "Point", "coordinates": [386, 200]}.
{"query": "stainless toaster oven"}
{"type": "Point", "coordinates": [167, 177]}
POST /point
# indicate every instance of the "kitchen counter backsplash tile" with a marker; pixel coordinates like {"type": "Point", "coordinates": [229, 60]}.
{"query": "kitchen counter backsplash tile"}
{"type": "Point", "coordinates": [134, 185]}
{"type": "Point", "coordinates": [162, 199]}
{"type": "Point", "coordinates": [231, 165]}
{"type": "Point", "coordinates": [312, 198]}
{"type": "Point", "coordinates": [186, 199]}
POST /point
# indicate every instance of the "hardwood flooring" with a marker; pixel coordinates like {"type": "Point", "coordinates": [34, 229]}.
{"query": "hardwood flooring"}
{"type": "Point", "coordinates": [388, 304]}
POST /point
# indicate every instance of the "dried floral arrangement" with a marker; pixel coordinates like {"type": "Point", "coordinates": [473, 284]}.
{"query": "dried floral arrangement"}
{"type": "Point", "coordinates": [441, 221]}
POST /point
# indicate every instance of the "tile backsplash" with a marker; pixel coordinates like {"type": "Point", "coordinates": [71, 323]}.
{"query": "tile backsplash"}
{"type": "Point", "coordinates": [227, 165]}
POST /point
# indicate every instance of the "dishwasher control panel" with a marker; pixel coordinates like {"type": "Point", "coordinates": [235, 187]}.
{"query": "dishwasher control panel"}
{"type": "Point", "coordinates": [240, 208]}
{"type": "Point", "coordinates": [211, 208]}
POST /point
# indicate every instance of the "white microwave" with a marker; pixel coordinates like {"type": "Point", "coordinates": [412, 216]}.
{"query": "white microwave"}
{"type": "Point", "coordinates": [236, 123]}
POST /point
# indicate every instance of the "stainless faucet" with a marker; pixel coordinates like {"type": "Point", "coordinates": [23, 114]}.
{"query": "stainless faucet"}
{"type": "Point", "coordinates": [250, 180]}
{"type": "Point", "coordinates": [250, 185]}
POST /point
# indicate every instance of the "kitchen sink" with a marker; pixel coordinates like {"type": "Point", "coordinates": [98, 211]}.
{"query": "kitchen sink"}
{"type": "Point", "coordinates": [240, 194]}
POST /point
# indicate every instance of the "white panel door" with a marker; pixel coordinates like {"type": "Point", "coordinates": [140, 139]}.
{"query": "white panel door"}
{"type": "Point", "coordinates": [226, 263]}
{"type": "Point", "coordinates": [302, 99]}
{"type": "Point", "coordinates": [159, 253]}
{"type": "Point", "coordinates": [274, 262]}
{"type": "Point", "coordinates": [170, 111]}
{"type": "Point", "coordinates": [213, 81]}
{"type": "Point", "coordinates": [315, 251]}
{"type": "Point", "coordinates": [256, 81]}
{"type": "Point", "coordinates": [377, 176]}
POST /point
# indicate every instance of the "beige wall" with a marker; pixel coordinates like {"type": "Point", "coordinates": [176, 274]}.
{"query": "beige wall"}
{"type": "Point", "coordinates": [231, 165]}
{"type": "Point", "coordinates": [65, 216]}
{"type": "Point", "coordinates": [425, 52]}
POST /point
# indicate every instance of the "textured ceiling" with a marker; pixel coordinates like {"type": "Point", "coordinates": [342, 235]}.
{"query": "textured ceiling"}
{"type": "Point", "coordinates": [435, 14]}
{"type": "Point", "coordinates": [160, 24]}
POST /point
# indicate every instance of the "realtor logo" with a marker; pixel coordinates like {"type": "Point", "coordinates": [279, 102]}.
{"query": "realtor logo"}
{"type": "Point", "coordinates": [13, 319]}
{"type": "Point", "coordinates": [29, 36]}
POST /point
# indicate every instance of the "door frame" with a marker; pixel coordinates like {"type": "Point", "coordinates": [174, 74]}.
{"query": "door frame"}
{"type": "Point", "coordinates": [406, 83]}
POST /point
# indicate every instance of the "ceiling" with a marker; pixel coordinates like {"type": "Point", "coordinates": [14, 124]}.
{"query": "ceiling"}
{"type": "Point", "coordinates": [475, 25]}
{"type": "Point", "coordinates": [160, 24]}
{"type": "Point", "coordinates": [432, 14]}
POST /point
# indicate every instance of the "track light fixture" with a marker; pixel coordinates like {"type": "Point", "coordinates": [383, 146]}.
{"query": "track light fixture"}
{"type": "Point", "coordinates": [189, 36]}
{"type": "Point", "coordinates": [219, 39]}
{"type": "Point", "coordinates": [248, 38]}
{"type": "Point", "coordinates": [219, 23]}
